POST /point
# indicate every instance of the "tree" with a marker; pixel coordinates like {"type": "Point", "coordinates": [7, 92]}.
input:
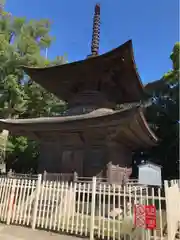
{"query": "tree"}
{"type": "Point", "coordinates": [41, 103]}
{"type": "Point", "coordinates": [22, 42]}
{"type": "Point", "coordinates": [163, 116]}
{"type": "Point", "coordinates": [173, 75]}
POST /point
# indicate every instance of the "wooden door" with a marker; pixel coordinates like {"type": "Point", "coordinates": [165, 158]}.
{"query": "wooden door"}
{"type": "Point", "coordinates": [93, 162]}
{"type": "Point", "coordinates": [72, 161]}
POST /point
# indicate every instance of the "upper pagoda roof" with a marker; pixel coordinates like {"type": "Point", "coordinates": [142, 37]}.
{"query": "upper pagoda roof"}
{"type": "Point", "coordinates": [113, 73]}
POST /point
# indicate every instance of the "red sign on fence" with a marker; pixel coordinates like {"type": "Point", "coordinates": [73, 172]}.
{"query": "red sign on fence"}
{"type": "Point", "coordinates": [145, 216]}
{"type": "Point", "coordinates": [150, 216]}
{"type": "Point", "coordinates": [139, 216]}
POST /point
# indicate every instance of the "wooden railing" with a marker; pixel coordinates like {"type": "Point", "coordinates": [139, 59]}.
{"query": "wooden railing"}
{"type": "Point", "coordinates": [67, 177]}
{"type": "Point", "coordinates": [73, 177]}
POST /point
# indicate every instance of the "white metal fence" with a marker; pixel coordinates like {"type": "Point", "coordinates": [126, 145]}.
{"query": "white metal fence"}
{"type": "Point", "coordinates": [172, 207]}
{"type": "Point", "coordinates": [88, 209]}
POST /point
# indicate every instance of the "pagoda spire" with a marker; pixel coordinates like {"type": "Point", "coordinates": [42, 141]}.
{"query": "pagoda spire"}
{"type": "Point", "coordinates": [96, 32]}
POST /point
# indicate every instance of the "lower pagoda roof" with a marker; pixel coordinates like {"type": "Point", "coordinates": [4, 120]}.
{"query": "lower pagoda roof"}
{"type": "Point", "coordinates": [113, 73]}
{"type": "Point", "coordinates": [129, 126]}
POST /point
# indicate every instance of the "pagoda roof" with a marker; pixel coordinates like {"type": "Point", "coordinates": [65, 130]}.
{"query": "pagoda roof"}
{"type": "Point", "coordinates": [113, 73]}
{"type": "Point", "coordinates": [158, 85]}
{"type": "Point", "coordinates": [129, 126]}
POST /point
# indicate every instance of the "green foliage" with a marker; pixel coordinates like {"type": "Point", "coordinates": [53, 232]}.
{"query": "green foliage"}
{"type": "Point", "coordinates": [22, 43]}
{"type": "Point", "coordinates": [23, 157]}
{"type": "Point", "coordinates": [163, 115]}
{"type": "Point", "coordinates": [40, 102]}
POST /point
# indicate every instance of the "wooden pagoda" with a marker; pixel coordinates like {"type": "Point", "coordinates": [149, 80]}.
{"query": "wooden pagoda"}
{"type": "Point", "coordinates": [91, 134]}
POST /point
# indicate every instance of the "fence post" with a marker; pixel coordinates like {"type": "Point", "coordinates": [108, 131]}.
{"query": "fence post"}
{"type": "Point", "coordinates": [168, 217]}
{"type": "Point", "coordinates": [93, 205]}
{"type": "Point", "coordinates": [9, 174]}
{"type": "Point", "coordinates": [38, 189]}
{"type": "Point", "coordinates": [11, 202]}
{"type": "Point", "coordinates": [44, 175]}
{"type": "Point", "coordinates": [75, 177]}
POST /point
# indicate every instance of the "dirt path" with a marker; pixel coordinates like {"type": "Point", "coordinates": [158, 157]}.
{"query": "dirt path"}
{"type": "Point", "coordinates": [22, 233]}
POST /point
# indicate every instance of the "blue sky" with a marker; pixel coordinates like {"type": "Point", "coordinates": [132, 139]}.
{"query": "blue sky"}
{"type": "Point", "coordinates": [152, 25]}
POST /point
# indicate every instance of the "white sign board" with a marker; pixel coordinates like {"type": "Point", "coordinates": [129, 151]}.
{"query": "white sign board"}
{"type": "Point", "coordinates": [150, 174]}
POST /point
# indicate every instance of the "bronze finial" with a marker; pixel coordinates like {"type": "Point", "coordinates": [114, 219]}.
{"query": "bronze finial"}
{"type": "Point", "coordinates": [96, 31]}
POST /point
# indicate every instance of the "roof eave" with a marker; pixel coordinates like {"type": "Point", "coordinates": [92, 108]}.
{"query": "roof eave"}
{"type": "Point", "coordinates": [132, 120]}
{"type": "Point", "coordinates": [69, 74]}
